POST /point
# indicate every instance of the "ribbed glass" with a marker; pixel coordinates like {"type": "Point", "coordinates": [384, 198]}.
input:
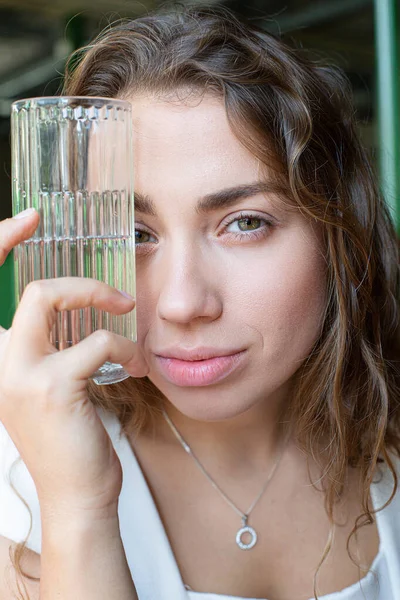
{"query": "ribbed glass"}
{"type": "Point", "coordinates": [72, 160]}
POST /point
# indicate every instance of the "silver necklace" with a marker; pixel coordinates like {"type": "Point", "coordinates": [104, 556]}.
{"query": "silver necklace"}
{"type": "Point", "coordinates": [244, 516]}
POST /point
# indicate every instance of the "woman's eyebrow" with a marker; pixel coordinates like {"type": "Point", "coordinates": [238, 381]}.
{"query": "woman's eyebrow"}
{"type": "Point", "coordinates": [216, 200]}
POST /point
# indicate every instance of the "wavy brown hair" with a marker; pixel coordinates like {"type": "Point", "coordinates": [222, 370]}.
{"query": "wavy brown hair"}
{"type": "Point", "coordinates": [295, 115]}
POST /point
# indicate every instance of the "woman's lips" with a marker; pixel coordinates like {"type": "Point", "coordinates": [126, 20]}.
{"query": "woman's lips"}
{"type": "Point", "coordinates": [198, 372]}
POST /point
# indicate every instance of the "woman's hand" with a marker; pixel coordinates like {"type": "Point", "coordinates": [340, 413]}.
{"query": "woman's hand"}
{"type": "Point", "coordinates": [43, 400]}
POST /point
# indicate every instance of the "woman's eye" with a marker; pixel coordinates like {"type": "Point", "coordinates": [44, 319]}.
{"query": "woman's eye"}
{"type": "Point", "coordinates": [140, 234]}
{"type": "Point", "coordinates": [249, 226]}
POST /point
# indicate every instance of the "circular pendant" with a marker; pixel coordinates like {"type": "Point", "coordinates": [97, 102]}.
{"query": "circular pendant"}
{"type": "Point", "coordinates": [253, 540]}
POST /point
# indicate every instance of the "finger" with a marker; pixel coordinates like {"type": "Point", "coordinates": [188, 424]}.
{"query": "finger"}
{"type": "Point", "coordinates": [82, 360]}
{"type": "Point", "coordinates": [16, 230]}
{"type": "Point", "coordinates": [40, 302]}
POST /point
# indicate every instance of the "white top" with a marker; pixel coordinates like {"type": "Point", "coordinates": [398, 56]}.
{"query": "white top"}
{"type": "Point", "coordinates": [148, 552]}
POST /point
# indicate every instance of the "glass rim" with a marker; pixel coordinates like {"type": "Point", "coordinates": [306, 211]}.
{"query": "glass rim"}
{"type": "Point", "coordinates": [66, 100]}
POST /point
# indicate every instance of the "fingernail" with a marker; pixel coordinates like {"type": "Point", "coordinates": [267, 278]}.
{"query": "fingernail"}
{"type": "Point", "coordinates": [126, 295]}
{"type": "Point", "coordinates": [24, 213]}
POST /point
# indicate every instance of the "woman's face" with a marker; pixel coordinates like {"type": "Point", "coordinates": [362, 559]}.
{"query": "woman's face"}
{"type": "Point", "coordinates": [249, 276]}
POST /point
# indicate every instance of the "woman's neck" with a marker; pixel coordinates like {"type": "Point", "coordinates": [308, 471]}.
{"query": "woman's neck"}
{"type": "Point", "coordinates": [246, 442]}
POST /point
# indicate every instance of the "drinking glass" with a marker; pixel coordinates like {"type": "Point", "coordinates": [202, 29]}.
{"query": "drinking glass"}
{"type": "Point", "coordinates": [72, 160]}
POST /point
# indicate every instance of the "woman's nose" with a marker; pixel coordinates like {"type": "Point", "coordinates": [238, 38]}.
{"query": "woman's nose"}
{"type": "Point", "coordinates": [189, 288]}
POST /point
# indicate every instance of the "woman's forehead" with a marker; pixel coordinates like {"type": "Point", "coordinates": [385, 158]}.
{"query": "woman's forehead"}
{"type": "Point", "coordinates": [191, 148]}
{"type": "Point", "coordinates": [197, 130]}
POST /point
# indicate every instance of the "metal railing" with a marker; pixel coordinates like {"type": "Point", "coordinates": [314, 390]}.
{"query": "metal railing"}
{"type": "Point", "coordinates": [387, 33]}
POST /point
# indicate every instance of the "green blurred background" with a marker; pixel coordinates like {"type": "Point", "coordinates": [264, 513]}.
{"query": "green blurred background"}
{"type": "Point", "coordinates": [361, 36]}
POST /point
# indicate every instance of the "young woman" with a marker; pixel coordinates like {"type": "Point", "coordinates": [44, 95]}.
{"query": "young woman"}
{"type": "Point", "coordinates": [252, 448]}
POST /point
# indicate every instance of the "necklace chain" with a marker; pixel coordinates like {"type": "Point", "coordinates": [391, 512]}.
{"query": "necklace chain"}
{"type": "Point", "coordinates": [189, 451]}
